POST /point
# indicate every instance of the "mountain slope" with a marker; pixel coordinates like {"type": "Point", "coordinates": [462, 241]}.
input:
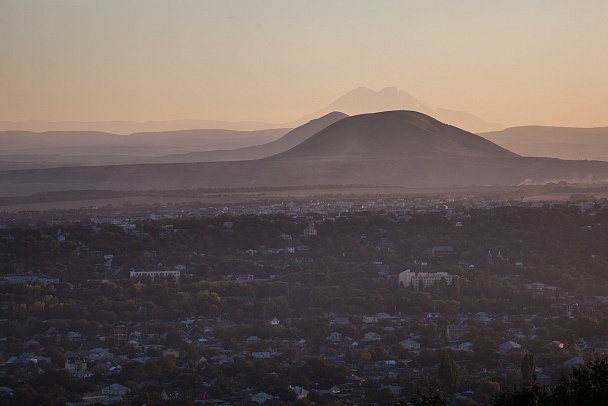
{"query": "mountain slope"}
{"type": "Point", "coordinates": [289, 140]}
{"type": "Point", "coordinates": [363, 100]}
{"type": "Point", "coordinates": [555, 142]}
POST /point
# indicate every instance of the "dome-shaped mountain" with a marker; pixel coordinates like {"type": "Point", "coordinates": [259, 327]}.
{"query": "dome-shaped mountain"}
{"type": "Point", "coordinates": [394, 134]}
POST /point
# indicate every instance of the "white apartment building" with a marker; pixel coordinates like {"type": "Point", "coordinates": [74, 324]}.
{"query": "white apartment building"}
{"type": "Point", "coordinates": [28, 278]}
{"type": "Point", "coordinates": [155, 274]}
{"type": "Point", "coordinates": [423, 280]}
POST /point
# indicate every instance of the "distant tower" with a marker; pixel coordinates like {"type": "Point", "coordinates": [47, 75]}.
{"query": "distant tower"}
{"type": "Point", "coordinates": [310, 230]}
{"type": "Point", "coordinates": [121, 332]}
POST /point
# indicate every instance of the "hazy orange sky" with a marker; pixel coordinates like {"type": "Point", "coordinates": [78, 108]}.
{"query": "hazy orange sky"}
{"type": "Point", "coordinates": [511, 62]}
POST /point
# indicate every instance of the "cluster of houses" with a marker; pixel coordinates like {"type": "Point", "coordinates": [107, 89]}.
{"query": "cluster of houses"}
{"type": "Point", "coordinates": [369, 331]}
{"type": "Point", "coordinates": [127, 216]}
{"type": "Point", "coordinates": [94, 358]}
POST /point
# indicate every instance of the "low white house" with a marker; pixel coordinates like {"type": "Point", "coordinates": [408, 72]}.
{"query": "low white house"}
{"type": "Point", "coordinates": [575, 362]}
{"type": "Point", "coordinates": [261, 397]}
{"type": "Point", "coordinates": [253, 340]}
{"type": "Point", "coordinates": [73, 336]}
{"type": "Point", "coordinates": [171, 352]}
{"type": "Point", "coordinates": [371, 336]}
{"type": "Point", "coordinates": [82, 374]}
{"type": "Point", "coordinates": [115, 389]}
{"type": "Point", "coordinates": [410, 344]}
{"type": "Point", "coordinates": [300, 392]}
{"type": "Point", "coordinates": [483, 317]}
{"type": "Point", "coordinates": [508, 346]}
{"type": "Point", "coordinates": [467, 346]}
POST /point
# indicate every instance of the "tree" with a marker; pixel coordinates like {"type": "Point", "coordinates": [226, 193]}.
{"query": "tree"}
{"type": "Point", "coordinates": [422, 400]}
{"type": "Point", "coordinates": [448, 373]}
{"type": "Point", "coordinates": [287, 394]}
{"type": "Point", "coordinates": [382, 397]}
{"type": "Point", "coordinates": [527, 370]}
{"type": "Point", "coordinates": [364, 358]}
{"type": "Point", "coordinates": [486, 390]}
{"type": "Point", "coordinates": [587, 385]}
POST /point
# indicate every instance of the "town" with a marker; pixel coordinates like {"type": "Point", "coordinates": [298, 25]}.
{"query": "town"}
{"type": "Point", "coordinates": [339, 301]}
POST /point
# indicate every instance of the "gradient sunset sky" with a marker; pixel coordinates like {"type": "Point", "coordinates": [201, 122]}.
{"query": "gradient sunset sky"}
{"type": "Point", "coordinates": [509, 62]}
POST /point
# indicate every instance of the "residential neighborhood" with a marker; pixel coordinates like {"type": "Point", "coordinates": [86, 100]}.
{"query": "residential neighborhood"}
{"type": "Point", "coordinates": [300, 303]}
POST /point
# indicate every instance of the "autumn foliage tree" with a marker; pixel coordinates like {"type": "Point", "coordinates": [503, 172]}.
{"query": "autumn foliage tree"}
{"type": "Point", "coordinates": [448, 373]}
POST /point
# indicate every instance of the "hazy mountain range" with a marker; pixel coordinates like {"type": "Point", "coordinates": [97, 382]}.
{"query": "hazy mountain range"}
{"type": "Point", "coordinates": [290, 140]}
{"type": "Point", "coordinates": [394, 148]}
{"type": "Point", "coordinates": [363, 100]}
{"type": "Point", "coordinates": [130, 127]}
{"type": "Point", "coordinates": [555, 142]}
{"type": "Point", "coordinates": [365, 137]}
{"type": "Point", "coordinates": [55, 148]}
{"type": "Point", "coordinates": [358, 101]}
{"type": "Point", "coordinates": [22, 150]}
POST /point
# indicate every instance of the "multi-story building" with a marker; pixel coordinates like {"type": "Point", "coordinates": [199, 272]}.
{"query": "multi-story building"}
{"type": "Point", "coordinates": [175, 275]}
{"type": "Point", "coordinates": [75, 364]}
{"type": "Point", "coordinates": [121, 332]}
{"type": "Point", "coordinates": [28, 278]}
{"type": "Point", "coordinates": [423, 280]}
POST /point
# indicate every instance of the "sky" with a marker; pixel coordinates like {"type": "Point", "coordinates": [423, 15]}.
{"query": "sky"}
{"type": "Point", "coordinates": [509, 62]}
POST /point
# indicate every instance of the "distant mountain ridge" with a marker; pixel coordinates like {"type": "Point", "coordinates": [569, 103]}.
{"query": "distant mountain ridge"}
{"type": "Point", "coordinates": [363, 100]}
{"type": "Point", "coordinates": [130, 127]}
{"type": "Point", "coordinates": [93, 147]}
{"type": "Point", "coordinates": [358, 101]}
{"type": "Point", "coordinates": [557, 142]}
{"type": "Point", "coordinates": [76, 148]}
{"type": "Point", "coordinates": [289, 140]}
{"type": "Point", "coordinates": [395, 148]}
